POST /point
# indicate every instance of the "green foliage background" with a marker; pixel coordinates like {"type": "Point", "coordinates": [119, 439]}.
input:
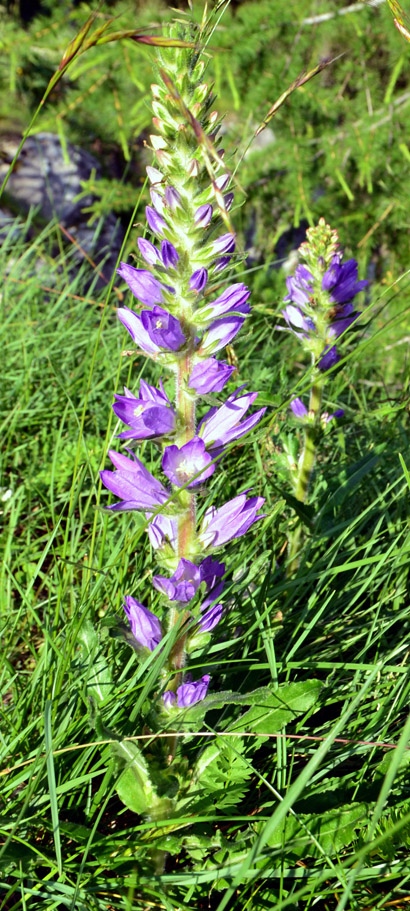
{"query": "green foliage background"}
{"type": "Point", "coordinates": [275, 821]}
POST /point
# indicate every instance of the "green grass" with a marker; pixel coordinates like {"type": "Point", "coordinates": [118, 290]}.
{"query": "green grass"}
{"type": "Point", "coordinates": [308, 807]}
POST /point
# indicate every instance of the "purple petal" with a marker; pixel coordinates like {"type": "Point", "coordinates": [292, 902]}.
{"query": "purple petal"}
{"type": "Point", "coordinates": [172, 198]}
{"type": "Point", "coordinates": [190, 693]}
{"type": "Point", "coordinates": [142, 284]}
{"type": "Point", "coordinates": [222, 425]}
{"type": "Point", "coordinates": [198, 280]}
{"type": "Point", "coordinates": [329, 358]}
{"type": "Point", "coordinates": [203, 216]}
{"type": "Point", "coordinates": [162, 530]}
{"type": "Point", "coordinates": [169, 254]}
{"type": "Point", "coordinates": [155, 221]}
{"type": "Point", "coordinates": [233, 300]}
{"type": "Point", "coordinates": [299, 409]}
{"type": "Point", "coordinates": [211, 618]}
{"type": "Point", "coordinates": [210, 376]}
{"type": "Point", "coordinates": [163, 328]}
{"type": "Point", "coordinates": [181, 464]}
{"type": "Point", "coordinates": [329, 417]}
{"type": "Point", "coordinates": [169, 699]}
{"type": "Point", "coordinates": [133, 483]}
{"type": "Point", "coordinates": [183, 585]}
{"type": "Point", "coordinates": [145, 626]}
{"type": "Point", "coordinates": [140, 336]}
{"type": "Point", "coordinates": [148, 251]}
{"type": "Point", "coordinates": [229, 521]}
{"type": "Point", "coordinates": [220, 333]}
{"type": "Point", "coordinates": [340, 325]}
{"type": "Point", "coordinates": [221, 263]}
{"type": "Point", "coordinates": [223, 244]}
{"type": "Point", "coordinates": [228, 200]}
{"type": "Point", "coordinates": [157, 201]}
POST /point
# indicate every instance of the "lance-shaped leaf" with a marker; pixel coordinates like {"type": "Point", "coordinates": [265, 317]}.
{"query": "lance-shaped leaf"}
{"type": "Point", "coordinates": [134, 786]}
{"type": "Point", "coordinates": [282, 707]}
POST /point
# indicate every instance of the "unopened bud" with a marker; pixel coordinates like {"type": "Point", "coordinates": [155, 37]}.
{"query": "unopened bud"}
{"type": "Point", "coordinates": [158, 142]}
{"type": "Point", "coordinates": [154, 176]}
{"type": "Point", "coordinates": [193, 168]}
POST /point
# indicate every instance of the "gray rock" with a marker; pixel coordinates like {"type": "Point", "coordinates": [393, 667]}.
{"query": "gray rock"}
{"type": "Point", "coordinates": [47, 177]}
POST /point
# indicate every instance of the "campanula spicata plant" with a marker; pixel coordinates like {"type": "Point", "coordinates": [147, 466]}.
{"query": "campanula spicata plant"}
{"type": "Point", "coordinates": [319, 310]}
{"type": "Point", "coordinates": [184, 311]}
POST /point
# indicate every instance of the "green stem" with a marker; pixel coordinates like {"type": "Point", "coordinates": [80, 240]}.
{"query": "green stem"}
{"type": "Point", "coordinates": [185, 408]}
{"type": "Point", "coordinates": [306, 465]}
{"type": "Point", "coordinates": [307, 459]}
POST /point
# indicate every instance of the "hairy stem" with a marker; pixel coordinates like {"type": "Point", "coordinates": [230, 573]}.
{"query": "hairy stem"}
{"type": "Point", "coordinates": [185, 407]}
{"type": "Point", "coordinates": [306, 465]}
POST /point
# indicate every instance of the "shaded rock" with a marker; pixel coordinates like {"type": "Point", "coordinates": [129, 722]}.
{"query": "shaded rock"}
{"type": "Point", "coordinates": [48, 177]}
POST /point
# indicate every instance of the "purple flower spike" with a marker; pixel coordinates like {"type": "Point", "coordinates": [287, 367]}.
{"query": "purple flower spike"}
{"type": "Point", "coordinates": [169, 699]}
{"type": "Point", "coordinates": [220, 333]}
{"type": "Point", "coordinates": [299, 409]}
{"type": "Point", "coordinates": [162, 530]}
{"type": "Point", "coordinates": [222, 425]}
{"type": "Point", "coordinates": [229, 521]}
{"type": "Point", "coordinates": [133, 484]}
{"type": "Point", "coordinates": [198, 280]}
{"type": "Point", "coordinates": [172, 198]}
{"type": "Point", "coordinates": [169, 254]}
{"type": "Point", "coordinates": [180, 465]}
{"type": "Point", "coordinates": [203, 216]}
{"type": "Point", "coordinates": [223, 244]}
{"type": "Point", "coordinates": [155, 221]}
{"type": "Point", "coordinates": [163, 329]}
{"type": "Point", "coordinates": [149, 415]}
{"type": "Point", "coordinates": [210, 376]}
{"type": "Point", "coordinates": [233, 300]}
{"type": "Point", "coordinates": [211, 618]}
{"type": "Point", "coordinates": [145, 626]}
{"type": "Point", "coordinates": [143, 285]}
{"type": "Point", "coordinates": [190, 693]}
{"type": "Point", "coordinates": [148, 251]}
{"type": "Point", "coordinates": [140, 336]}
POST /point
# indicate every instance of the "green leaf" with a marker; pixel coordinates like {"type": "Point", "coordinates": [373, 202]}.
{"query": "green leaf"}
{"type": "Point", "coordinates": [334, 830]}
{"type": "Point", "coordinates": [281, 707]}
{"type": "Point", "coordinates": [133, 787]}
{"type": "Point", "coordinates": [196, 712]}
{"type": "Point", "coordinates": [224, 772]}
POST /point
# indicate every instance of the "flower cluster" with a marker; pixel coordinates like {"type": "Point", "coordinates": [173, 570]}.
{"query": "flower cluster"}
{"type": "Point", "coordinates": [182, 316]}
{"type": "Point", "coordinates": [319, 304]}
